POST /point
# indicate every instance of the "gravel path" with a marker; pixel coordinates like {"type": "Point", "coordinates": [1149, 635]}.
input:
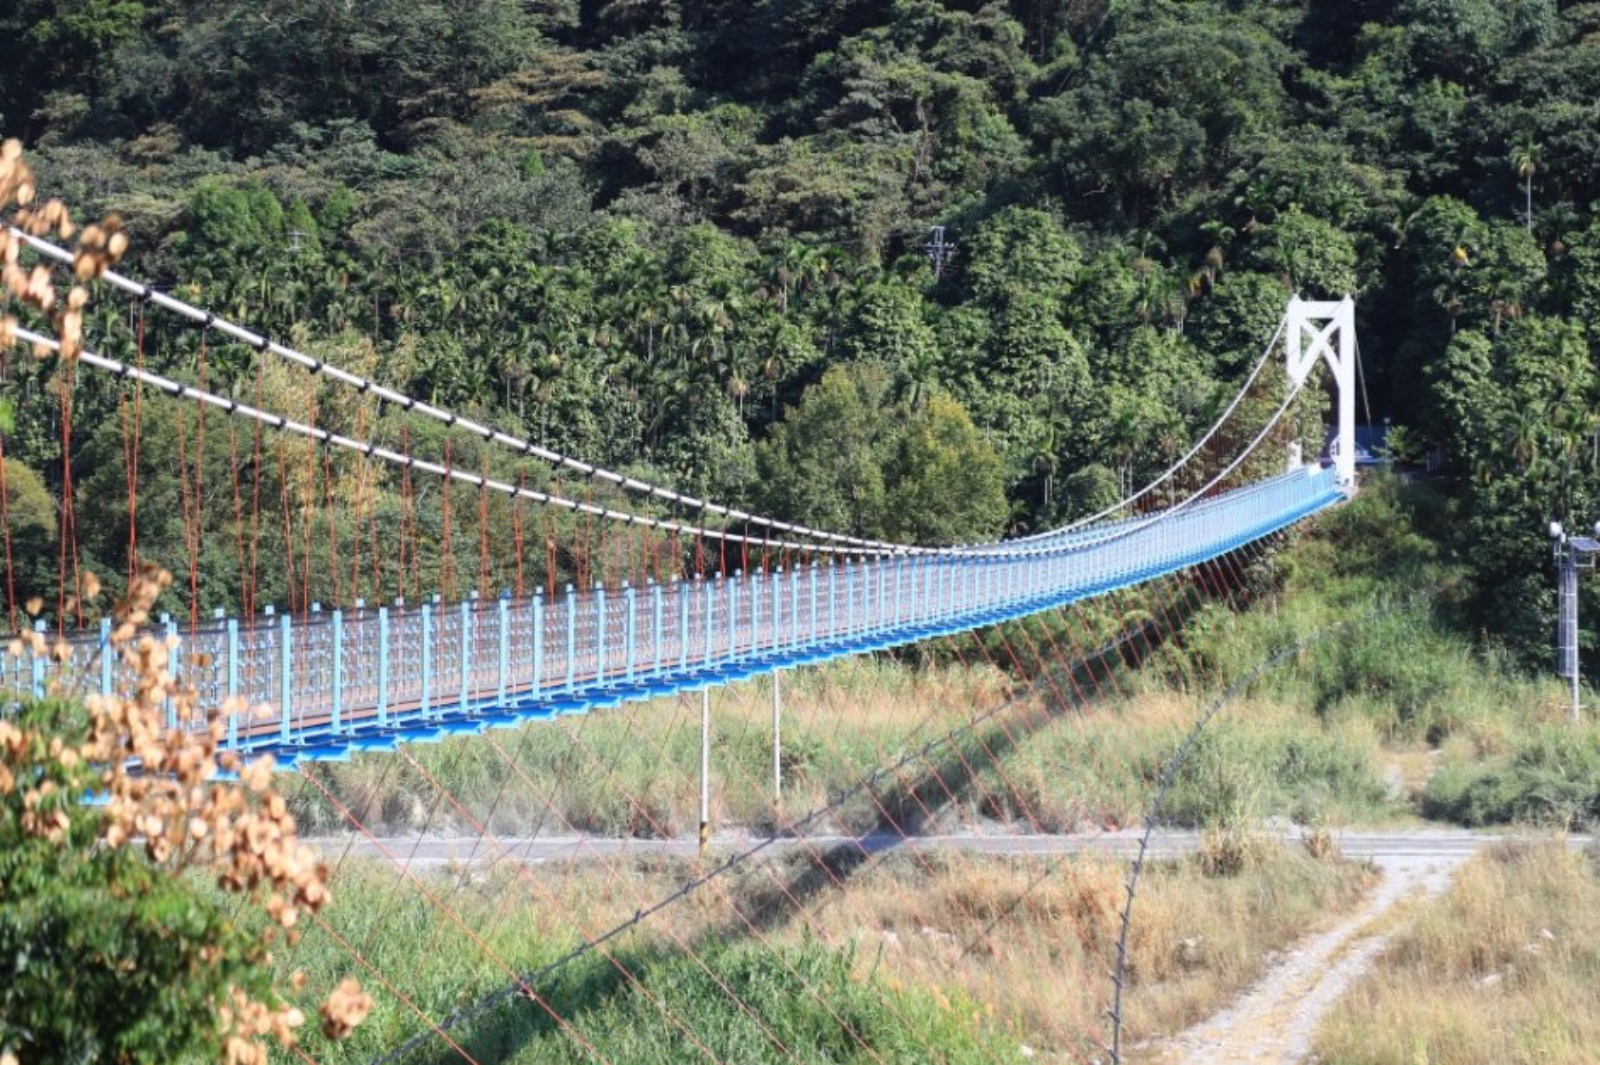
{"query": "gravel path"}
{"type": "Point", "coordinates": [1274, 1022]}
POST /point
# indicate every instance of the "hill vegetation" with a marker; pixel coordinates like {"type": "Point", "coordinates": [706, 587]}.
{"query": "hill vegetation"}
{"type": "Point", "coordinates": [687, 239]}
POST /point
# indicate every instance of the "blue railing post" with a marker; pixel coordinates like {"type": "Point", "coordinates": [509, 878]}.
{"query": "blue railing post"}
{"type": "Point", "coordinates": [656, 635]}
{"type": "Point", "coordinates": [171, 630]}
{"type": "Point", "coordinates": [777, 610]}
{"type": "Point", "coordinates": [427, 660]}
{"type": "Point", "coordinates": [107, 659]}
{"type": "Point", "coordinates": [707, 617]}
{"type": "Point", "coordinates": [233, 681]}
{"type": "Point", "coordinates": [572, 638]}
{"type": "Point", "coordinates": [849, 600]}
{"type": "Point", "coordinates": [285, 647]}
{"type": "Point", "coordinates": [37, 661]}
{"type": "Point", "coordinates": [599, 599]}
{"type": "Point", "coordinates": [814, 633]}
{"type": "Point", "coordinates": [466, 654]}
{"type": "Point", "coordinates": [794, 606]}
{"type": "Point", "coordinates": [538, 642]}
{"type": "Point", "coordinates": [505, 650]}
{"type": "Point", "coordinates": [731, 592]}
{"type": "Point", "coordinates": [631, 599]}
{"type": "Point", "coordinates": [383, 667]}
{"type": "Point", "coordinates": [683, 625]}
{"type": "Point", "coordinates": [833, 600]}
{"type": "Point", "coordinates": [759, 580]}
{"type": "Point", "coordinates": [336, 625]}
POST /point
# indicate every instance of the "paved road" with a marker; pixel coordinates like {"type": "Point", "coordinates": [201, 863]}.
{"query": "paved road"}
{"type": "Point", "coordinates": [423, 852]}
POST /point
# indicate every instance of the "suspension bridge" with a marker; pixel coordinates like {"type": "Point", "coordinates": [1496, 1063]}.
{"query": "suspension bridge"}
{"type": "Point", "coordinates": [325, 683]}
{"type": "Point", "coordinates": [328, 682]}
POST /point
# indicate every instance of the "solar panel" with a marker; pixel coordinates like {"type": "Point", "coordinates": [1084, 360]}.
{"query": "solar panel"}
{"type": "Point", "coordinates": [1587, 545]}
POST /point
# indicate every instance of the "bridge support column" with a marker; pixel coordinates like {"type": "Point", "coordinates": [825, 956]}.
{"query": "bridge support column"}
{"type": "Point", "coordinates": [777, 738]}
{"type": "Point", "coordinates": [1325, 329]}
{"type": "Point", "coordinates": [705, 771]}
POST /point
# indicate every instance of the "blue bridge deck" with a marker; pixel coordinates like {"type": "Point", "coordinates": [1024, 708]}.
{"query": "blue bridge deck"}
{"type": "Point", "coordinates": [330, 683]}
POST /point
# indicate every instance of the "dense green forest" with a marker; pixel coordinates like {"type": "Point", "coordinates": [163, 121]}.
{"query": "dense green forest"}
{"type": "Point", "coordinates": [688, 240]}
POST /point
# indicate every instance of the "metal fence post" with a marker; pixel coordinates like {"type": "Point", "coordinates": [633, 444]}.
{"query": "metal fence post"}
{"type": "Point", "coordinates": [427, 660]}
{"type": "Point", "coordinates": [37, 661]}
{"type": "Point", "coordinates": [656, 635]}
{"type": "Point", "coordinates": [814, 633]}
{"type": "Point", "coordinates": [505, 650]}
{"type": "Point", "coordinates": [469, 633]}
{"type": "Point", "coordinates": [336, 623]}
{"type": "Point", "coordinates": [709, 599]}
{"type": "Point", "coordinates": [538, 642]}
{"type": "Point", "coordinates": [849, 600]}
{"type": "Point", "coordinates": [572, 638]}
{"type": "Point", "coordinates": [383, 667]}
{"type": "Point", "coordinates": [233, 682]}
{"type": "Point", "coordinates": [285, 645]}
{"type": "Point", "coordinates": [630, 601]}
{"type": "Point", "coordinates": [599, 598]}
{"type": "Point", "coordinates": [683, 624]}
{"type": "Point", "coordinates": [732, 595]}
{"type": "Point", "coordinates": [106, 657]}
{"type": "Point", "coordinates": [171, 628]}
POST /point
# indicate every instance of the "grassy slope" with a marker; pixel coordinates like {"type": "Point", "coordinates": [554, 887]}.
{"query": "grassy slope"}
{"type": "Point", "coordinates": [925, 958]}
{"type": "Point", "coordinates": [1504, 970]}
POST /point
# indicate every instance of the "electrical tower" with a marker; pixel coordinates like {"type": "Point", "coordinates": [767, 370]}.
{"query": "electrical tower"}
{"type": "Point", "coordinates": [940, 251]}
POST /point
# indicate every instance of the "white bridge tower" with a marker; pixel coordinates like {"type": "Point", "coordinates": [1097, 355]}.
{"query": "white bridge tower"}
{"type": "Point", "coordinates": [1327, 329]}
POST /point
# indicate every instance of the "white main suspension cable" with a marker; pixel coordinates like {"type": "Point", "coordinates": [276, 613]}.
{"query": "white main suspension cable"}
{"type": "Point", "coordinates": [1216, 426]}
{"type": "Point", "coordinates": [373, 450]}
{"type": "Point", "coordinates": [451, 419]}
{"type": "Point", "coordinates": [836, 543]}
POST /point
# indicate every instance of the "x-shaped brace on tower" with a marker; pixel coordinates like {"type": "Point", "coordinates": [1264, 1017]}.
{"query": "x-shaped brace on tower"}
{"type": "Point", "coordinates": [1327, 329]}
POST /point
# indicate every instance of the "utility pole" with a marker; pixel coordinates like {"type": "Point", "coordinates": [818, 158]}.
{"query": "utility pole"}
{"type": "Point", "coordinates": [940, 251]}
{"type": "Point", "coordinates": [1571, 554]}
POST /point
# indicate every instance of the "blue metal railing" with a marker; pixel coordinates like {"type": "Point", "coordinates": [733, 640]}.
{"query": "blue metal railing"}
{"type": "Point", "coordinates": [365, 678]}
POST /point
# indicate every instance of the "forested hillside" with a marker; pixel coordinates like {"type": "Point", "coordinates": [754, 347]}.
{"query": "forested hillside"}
{"type": "Point", "coordinates": [687, 239]}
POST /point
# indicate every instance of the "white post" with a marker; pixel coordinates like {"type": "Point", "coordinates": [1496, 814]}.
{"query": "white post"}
{"type": "Point", "coordinates": [705, 770]}
{"type": "Point", "coordinates": [777, 739]}
{"type": "Point", "coordinates": [1312, 326]}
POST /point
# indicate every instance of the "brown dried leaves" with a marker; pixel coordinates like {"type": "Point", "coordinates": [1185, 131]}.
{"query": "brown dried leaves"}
{"type": "Point", "coordinates": [99, 248]}
{"type": "Point", "coordinates": [162, 792]}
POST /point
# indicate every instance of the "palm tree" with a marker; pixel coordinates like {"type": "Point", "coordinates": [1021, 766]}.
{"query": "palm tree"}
{"type": "Point", "coordinates": [1525, 161]}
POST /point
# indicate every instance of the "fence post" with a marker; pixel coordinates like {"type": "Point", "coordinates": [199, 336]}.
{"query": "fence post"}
{"type": "Point", "coordinates": [630, 601]}
{"type": "Point", "coordinates": [285, 645]}
{"type": "Point", "coordinates": [683, 624]}
{"type": "Point", "coordinates": [538, 642]}
{"type": "Point", "coordinates": [759, 579]}
{"type": "Point", "coordinates": [106, 657]}
{"type": "Point", "coordinates": [171, 630]}
{"type": "Point", "coordinates": [732, 596]}
{"type": "Point", "coordinates": [709, 600]}
{"type": "Point", "coordinates": [233, 682]}
{"type": "Point", "coordinates": [383, 667]}
{"type": "Point", "coordinates": [505, 649]}
{"type": "Point", "coordinates": [600, 634]}
{"type": "Point", "coordinates": [814, 633]}
{"type": "Point", "coordinates": [832, 600]}
{"type": "Point", "coordinates": [466, 653]}
{"type": "Point", "coordinates": [849, 599]}
{"type": "Point", "coordinates": [427, 659]}
{"type": "Point", "coordinates": [572, 638]}
{"type": "Point", "coordinates": [655, 628]}
{"type": "Point", "coordinates": [336, 623]}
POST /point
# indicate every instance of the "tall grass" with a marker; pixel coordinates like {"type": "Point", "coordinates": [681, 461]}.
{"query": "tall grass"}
{"type": "Point", "coordinates": [936, 957]}
{"type": "Point", "coordinates": [1504, 970]}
